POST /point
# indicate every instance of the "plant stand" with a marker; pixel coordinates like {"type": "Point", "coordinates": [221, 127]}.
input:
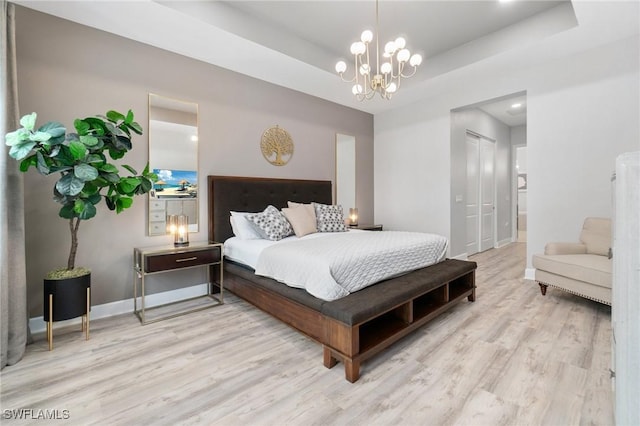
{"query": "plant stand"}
{"type": "Point", "coordinates": [65, 299]}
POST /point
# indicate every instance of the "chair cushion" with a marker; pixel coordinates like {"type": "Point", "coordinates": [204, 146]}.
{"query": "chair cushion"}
{"type": "Point", "coordinates": [590, 268]}
{"type": "Point", "coordinates": [596, 235]}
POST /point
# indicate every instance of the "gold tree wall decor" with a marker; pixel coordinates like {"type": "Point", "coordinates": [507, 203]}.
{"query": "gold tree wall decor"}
{"type": "Point", "coordinates": [276, 146]}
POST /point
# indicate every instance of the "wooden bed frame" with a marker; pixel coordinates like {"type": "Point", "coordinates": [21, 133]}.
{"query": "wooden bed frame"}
{"type": "Point", "coordinates": [351, 329]}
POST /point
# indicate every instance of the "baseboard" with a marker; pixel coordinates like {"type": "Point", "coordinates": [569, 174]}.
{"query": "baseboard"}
{"type": "Point", "coordinates": [504, 242]}
{"type": "Point", "coordinates": [530, 274]}
{"type": "Point", "coordinates": [38, 325]}
{"type": "Point", "coordinates": [462, 256]}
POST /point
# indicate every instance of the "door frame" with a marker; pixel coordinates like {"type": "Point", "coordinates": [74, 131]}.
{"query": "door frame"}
{"type": "Point", "coordinates": [514, 191]}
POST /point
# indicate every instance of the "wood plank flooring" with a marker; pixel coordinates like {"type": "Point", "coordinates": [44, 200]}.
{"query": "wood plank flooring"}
{"type": "Point", "coordinates": [513, 357]}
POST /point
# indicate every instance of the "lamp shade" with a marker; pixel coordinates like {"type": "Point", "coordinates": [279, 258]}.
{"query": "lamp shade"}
{"type": "Point", "coordinates": [353, 217]}
{"type": "Point", "coordinates": [179, 227]}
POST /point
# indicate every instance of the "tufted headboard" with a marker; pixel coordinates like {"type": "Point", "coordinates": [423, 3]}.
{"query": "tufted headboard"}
{"type": "Point", "coordinates": [250, 194]}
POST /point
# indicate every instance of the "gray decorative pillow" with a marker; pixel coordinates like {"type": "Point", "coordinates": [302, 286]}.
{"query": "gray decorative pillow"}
{"type": "Point", "coordinates": [329, 218]}
{"type": "Point", "coordinates": [271, 224]}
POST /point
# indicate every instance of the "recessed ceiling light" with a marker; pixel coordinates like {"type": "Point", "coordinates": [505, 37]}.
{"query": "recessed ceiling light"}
{"type": "Point", "coordinates": [518, 105]}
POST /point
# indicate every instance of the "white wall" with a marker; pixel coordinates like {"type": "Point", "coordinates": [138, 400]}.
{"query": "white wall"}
{"type": "Point", "coordinates": [582, 111]}
{"type": "Point", "coordinates": [519, 135]}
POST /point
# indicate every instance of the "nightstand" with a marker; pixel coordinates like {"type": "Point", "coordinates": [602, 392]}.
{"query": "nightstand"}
{"type": "Point", "coordinates": [163, 259]}
{"type": "Point", "coordinates": [367, 227]}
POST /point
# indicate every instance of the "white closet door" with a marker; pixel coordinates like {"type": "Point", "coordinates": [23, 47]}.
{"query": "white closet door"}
{"type": "Point", "coordinates": [473, 186]}
{"type": "Point", "coordinates": [480, 198]}
{"type": "Point", "coordinates": [487, 193]}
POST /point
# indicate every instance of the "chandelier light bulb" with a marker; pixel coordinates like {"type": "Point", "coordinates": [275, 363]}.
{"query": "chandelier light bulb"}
{"type": "Point", "coordinates": [390, 48]}
{"type": "Point", "coordinates": [385, 68]}
{"type": "Point", "coordinates": [400, 43]}
{"type": "Point", "coordinates": [366, 36]}
{"type": "Point", "coordinates": [354, 48]}
{"type": "Point", "coordinates": [357, 89]}
{"type": "Point", "coordinates": [391, 88]}
{"type": "Point", "coordinates": [415, 60]}
{"type": "Point", "coordinates": [341, 67]}
{"type": "Point", "coordinates": [403, 55]}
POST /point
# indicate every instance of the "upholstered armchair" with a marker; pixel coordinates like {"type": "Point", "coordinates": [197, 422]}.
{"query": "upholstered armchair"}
{"type": "Point", "coordinates": [582, 268]}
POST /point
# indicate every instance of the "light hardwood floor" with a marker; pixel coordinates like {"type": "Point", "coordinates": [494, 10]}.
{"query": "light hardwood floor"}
{"type": "Point", "coordinates": [513, 357]}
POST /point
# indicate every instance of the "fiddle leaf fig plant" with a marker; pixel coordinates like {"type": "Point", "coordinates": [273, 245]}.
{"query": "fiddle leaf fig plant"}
{"type": "Point", "coordinates": [80, 159]}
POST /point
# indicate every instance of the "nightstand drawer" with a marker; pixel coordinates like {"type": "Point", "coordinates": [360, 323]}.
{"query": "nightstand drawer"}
{"type": "Point", "coordinates": [186, 259]}
{"type": "Point", "coordinates": [158, 216]}
{"type": "Point", "coordinates": [157, 205]}
{"type": "Point", "coordinates": [157, 228]}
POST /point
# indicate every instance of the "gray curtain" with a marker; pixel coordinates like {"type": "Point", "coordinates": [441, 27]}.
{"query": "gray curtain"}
{"type": "Point", "coordinates": [13, 287]}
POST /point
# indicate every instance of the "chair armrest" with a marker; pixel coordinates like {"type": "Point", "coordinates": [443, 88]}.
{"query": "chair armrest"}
{"type": "Point", "coordinates": [565, 248]}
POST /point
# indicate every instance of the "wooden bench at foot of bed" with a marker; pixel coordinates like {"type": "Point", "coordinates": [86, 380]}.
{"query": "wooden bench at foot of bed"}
{"type": "Point", "coordinates": [360, 325]}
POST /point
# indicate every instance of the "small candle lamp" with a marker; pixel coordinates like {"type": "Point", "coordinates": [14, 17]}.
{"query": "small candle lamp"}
{"type": "Point", "coordinates": [353, 217]}
{"type": "Point", "coordinates": [179, 228]}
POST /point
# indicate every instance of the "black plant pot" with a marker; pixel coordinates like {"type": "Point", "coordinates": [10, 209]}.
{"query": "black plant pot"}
{"type": "Point", "coordinates": [69, 297]}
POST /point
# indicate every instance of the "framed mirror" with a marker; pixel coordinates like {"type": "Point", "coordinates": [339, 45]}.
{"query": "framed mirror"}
{"type": "Point", "coordinates": [173, 156]}
{"type": "Point", "coordinates": [346, 171]}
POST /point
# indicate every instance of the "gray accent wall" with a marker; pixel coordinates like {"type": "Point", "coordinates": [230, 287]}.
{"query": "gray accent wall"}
{"type": "Point", "coordinates": [66, 70]}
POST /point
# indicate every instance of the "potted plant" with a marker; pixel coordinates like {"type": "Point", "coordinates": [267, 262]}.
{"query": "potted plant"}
{"type": "Point", "coordinates": [85, 178]}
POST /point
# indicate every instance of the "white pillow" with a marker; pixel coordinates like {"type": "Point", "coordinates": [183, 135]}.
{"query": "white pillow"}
{"type": "Point", "coordinates": [271, 223]}
{"type": "Point", "coordinates": [242, 228]}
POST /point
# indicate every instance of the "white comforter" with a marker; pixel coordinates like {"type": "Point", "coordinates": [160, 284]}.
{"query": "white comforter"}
{"type": "Point", "coordinates": [337, 264]}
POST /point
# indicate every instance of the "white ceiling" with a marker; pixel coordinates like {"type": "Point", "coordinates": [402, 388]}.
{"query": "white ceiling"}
{"type": "Point", "coordinates": [296, 44]}
{"type": "Point", "coordinates": [321, 32]}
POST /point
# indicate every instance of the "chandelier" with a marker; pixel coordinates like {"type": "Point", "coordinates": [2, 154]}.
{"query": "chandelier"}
{"type": "Point", "coordinates": [386, 77]}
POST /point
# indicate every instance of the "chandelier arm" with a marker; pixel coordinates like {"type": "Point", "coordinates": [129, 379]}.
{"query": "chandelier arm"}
{"type": "Point", "coordinates": [345, 80]}
{"type": "Point", "coordinates": [415, 68]}
{"type": "Point", "coordinates": [370, 94]}
{"type": "Point", "coordinates": [365, 95]}
{"type": "Point", "coordinates": [368, 60]}
{"type": "Point", "coordinates": [400, 68]}
{"type": "Point", "coordinates": [392, 74]}
{"type": "Point", "coordinates": [366, 81]}
{"type": "Point", "coordinates": [368, 86]}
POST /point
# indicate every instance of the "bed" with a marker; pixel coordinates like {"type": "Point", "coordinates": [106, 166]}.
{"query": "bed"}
{"type": "Point", "coordinates": [350, 329]}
